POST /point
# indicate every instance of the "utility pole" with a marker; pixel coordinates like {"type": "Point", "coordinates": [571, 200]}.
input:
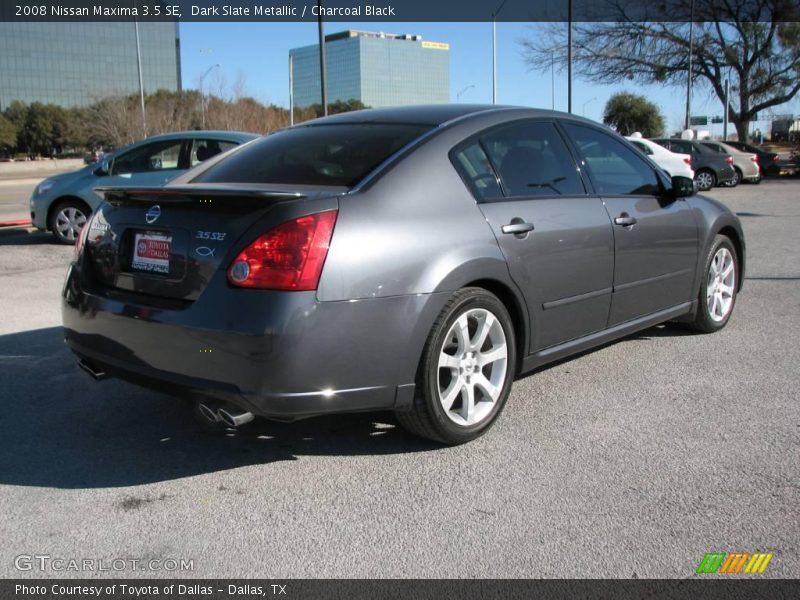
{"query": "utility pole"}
{"type": "Point", "coordinates": [322, 66]}
{"type": "Point", "coordinates": [689, 75]}
{"type": "Point", "coordinates": [552, 80]}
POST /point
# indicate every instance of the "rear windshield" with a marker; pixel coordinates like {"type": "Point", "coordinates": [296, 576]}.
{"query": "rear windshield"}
{"type": "Point", "coordinates": [336, 155]}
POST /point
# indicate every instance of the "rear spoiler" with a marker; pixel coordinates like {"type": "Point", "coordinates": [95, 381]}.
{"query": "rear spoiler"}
{"type": "Point", "coordinates": [190, 194]}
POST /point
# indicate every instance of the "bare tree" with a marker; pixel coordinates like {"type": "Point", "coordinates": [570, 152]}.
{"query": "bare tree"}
{"type": "Point", "coordinates": [755, 43]}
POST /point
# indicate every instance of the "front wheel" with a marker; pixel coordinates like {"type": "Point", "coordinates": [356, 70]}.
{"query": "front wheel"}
{"type": "Point", "coordinates": [466, 370]}
{"type": "Point", "coordinates": [67, 220]}
{"type": "Point", "coordinates": [718, 290]}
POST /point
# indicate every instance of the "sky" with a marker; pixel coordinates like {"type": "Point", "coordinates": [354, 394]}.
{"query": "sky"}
{"type": "Point", "coordinates": [257, 54]}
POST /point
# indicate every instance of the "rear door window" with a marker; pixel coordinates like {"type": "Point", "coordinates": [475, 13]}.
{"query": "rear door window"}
{"type": "Point", "coordinates": [157, 156]}
{"type": "Point", "coordinates": [531, 159]}
{"type": "Point", "coordinates": [643, 147]}
{"type": "Point", "coordinates": [204, 149]}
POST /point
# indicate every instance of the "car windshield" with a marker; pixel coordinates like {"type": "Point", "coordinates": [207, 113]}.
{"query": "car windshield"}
{"type": "Point", "coordinates": [333, 155]}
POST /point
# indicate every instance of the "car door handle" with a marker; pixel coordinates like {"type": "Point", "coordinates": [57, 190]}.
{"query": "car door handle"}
{"type": "Point", "coordinates": [518, 227]}
{"type": "Point", "coordinates": [625, 220]}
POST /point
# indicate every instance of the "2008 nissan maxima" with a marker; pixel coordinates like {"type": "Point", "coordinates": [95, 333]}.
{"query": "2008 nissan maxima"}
{"type": "Point", "coordinates": [415, 259]}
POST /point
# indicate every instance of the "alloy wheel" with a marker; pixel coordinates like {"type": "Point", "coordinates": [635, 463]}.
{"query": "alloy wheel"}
{"type": "Point", "coordinates": [705, 181]}
{"type": "Point", "coordinates": [472, 367]}
{"type": "Point", "coordinates": [719, 287]}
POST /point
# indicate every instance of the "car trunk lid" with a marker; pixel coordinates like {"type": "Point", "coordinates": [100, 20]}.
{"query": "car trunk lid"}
{"type": "Point", "coordinates": [167, 243]}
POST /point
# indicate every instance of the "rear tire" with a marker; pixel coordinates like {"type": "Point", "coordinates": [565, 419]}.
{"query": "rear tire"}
{"type": "Point", "coordinates": [705, 179]}
{"type": "Point", "coordinates": [66, 220]}
{"type": "Point", "coordinates": [466, 370]}
{"type": "Point", "coordinates": [719, 286]}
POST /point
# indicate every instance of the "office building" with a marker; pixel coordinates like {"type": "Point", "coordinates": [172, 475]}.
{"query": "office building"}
{"type": "Point", "coordinates": [379, 69]}
{"type": "Point", "coordinates": [75, 63]}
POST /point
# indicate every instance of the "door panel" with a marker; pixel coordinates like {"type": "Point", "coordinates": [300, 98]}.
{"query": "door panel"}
{"type": "Point", "coordinates": [564, 266]}
{"type": "Point", "coordinates": [655, 258]}
{"type": "Point", "coordinates": [557, 240]}
{"type": "Point", "coordinates": [655, 237]}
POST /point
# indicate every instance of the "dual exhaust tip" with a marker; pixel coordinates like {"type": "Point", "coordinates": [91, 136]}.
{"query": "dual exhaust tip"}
{"type": "Point", "coordinates": [231, 416]}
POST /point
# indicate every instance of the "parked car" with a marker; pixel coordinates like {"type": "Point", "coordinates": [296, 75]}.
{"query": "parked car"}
{"type": "Point", "coordinates": [414, 259]}
{"type": "Point", "coordinates": [62, 203]}
{"type": "Point", "coordinates": [672, 162]}
{"type": "Point", "coordinates": [744, 163]}
{"type": "Point", "coordinates": [767, 161]}
{"type": "Point", "coordinates": [710, 168]}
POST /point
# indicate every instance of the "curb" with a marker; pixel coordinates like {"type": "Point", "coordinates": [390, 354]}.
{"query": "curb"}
{"type": "Point", "coordinates": [17, 223]}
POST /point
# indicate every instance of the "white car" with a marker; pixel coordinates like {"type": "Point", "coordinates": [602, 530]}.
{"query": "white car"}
{"type": "Point", "coordinates": [672, 162]}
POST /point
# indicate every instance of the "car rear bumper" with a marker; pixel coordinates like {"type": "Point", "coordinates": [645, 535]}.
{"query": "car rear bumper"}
{"type": "Point", "coordinates": [282, 355]}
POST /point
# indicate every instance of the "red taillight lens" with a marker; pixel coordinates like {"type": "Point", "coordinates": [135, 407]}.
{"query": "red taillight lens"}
{"type": "Point", "coordinates": [688, 161]}
{"type": "Point", "coordinates": [290, 257]}
{"type": "Point", "coordinates": [754, 158]}
{"type": "Point", "coordinates": [729, 160]}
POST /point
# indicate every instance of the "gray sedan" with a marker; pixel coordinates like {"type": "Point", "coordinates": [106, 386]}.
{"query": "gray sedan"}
{"type": "Point", "coordinates": [416, 259]}
{"type": "Point", "coordinates": [62, 203]}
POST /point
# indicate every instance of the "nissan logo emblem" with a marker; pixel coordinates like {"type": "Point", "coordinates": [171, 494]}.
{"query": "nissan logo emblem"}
{"type": "Point", "coordinates": [151, 216]}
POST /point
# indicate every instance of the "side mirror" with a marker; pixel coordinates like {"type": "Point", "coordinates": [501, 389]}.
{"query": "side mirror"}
{"type": "Point", "coordinates": [683, 187]}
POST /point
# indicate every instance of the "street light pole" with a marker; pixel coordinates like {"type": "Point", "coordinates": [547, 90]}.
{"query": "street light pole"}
{"type": "Point", "coordinates": [727, 104]}
{"type": "Point", "coordinates": [458, 95]}
{"type": "Point", "coordinates": [552, 80]}
{"type": "Point", "coordinates": [494, 50]}
{"type": "Point", "coordinates": [203, 96]}
{"type": "Point", "coordinates": [141, 84]}
{"type": "Point", "coordinates": [291, 92]}
{"type": "Point", "coordinates": [583, 108]}
{"type": "Point", "coordinates": [569, 57]}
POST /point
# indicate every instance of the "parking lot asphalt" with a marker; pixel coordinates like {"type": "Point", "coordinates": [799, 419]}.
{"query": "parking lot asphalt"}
{"type": "Point", "coordinates": [633, 460]}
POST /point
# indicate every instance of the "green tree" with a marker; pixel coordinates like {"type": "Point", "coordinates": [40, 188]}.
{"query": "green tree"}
{"type": "Point", "coordinates": [334, 108]}
{"type": "Point", "coordinates": [8, 134]}
{"type": "Point", "coordinates": [16, 113]}
{"type": "Point", "coordinates": [627, 113]}
{"type": "Point", "coordinates": [755, 43]}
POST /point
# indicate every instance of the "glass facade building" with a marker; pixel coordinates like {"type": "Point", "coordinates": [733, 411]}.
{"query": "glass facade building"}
{"type": "Point", "coordinates": [75, 64]}
{"type": "Point", "coordinates": [379, 69]}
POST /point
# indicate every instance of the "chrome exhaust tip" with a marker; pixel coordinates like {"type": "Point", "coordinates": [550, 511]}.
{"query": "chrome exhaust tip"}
{"type": "Point", "coordinates": [208, 413]}
{"type": "Point", "coordinates": [233, 416]}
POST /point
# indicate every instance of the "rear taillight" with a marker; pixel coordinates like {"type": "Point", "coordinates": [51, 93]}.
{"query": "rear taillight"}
{"type": "Point", "coordinates": [754, 158]}
{"type": "Point", "coordinates": [729, 160]}
{"type": "Point", "coordinates": [290, 257]}
{"type": "Point", "coordinates": [688, 161]}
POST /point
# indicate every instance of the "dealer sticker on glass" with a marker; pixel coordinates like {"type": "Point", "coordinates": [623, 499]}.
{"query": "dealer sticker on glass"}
{"type": "Point", "coordinates": [151, 252]}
